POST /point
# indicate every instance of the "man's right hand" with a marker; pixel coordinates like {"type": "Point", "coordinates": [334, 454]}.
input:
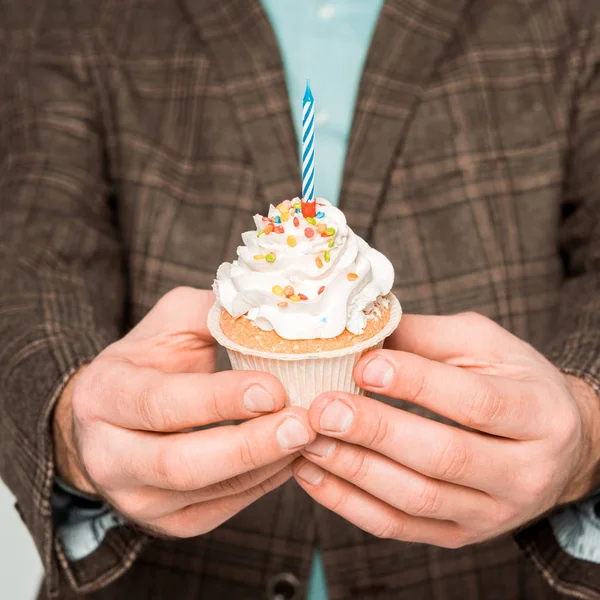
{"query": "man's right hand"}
{"type": "Point", "coordinates": [119, 427]}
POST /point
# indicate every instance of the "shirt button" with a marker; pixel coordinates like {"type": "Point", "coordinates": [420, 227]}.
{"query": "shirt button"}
{"type": "Point", "coordinates": [283, 586]}
{"type": "Point", "coordinates": [321, 117]}
{"type": "Point", "coordinates": [326, 12]}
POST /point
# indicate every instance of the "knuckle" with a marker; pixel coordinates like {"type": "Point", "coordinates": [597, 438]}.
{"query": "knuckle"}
{"type": "Point", "coordinates": [148, 408]}
{"type": "Point", "coordinates": [176, 526]}
{"type": "Point", "coordinates": [389, 529]}
{"type": "Point", "coordinates": [248, 453]}
{"type": "Point", "coordinates": [87, 393]}
{"type": "Point", "coordinates": [425, 502]}
{"type": "Point", "coordinates": [482, 406]}
{"type": "Point", "coordinates": [567, 426]}
{"type": "Point", "coordinates": [359, 466]}
{"type": "Point", "coordinates": [458, 539]}
{"type": "Point", "coordinates": [173, 471]}
{"type": "Point", "coordinates": [474, 321]}
{"type": "Point", "coordinates": [504, 515]}
{"type": "Point", "coordinates": [340, 502]}
{"type": "Point", "coordinates": [176, 296]}
{"type": "Point", "coordinates": [537, 483]}
{"type": "Point", "coordinates": [98, 467]}
{"type": "Point", "coordinates": [416, 385]}
{"type": "Point", "coordinates": [228, 487]}
{"type": "Point", "coordinates": [378, 433]}
{"type": "Point", "coordinates": [450, 461]}
{"type": "Point", "coordinates": [136, 505]}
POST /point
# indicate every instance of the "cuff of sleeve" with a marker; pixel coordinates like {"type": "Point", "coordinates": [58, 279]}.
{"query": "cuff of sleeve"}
{"type": "Point", "coordinates": [565, 573]}
{"type": "Point", "coordinates": [578, 356]}
{"type": "Point", "coordinates": [28, 460]}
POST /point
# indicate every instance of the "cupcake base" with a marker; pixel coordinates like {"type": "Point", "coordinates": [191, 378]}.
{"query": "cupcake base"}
{"type": "Point", "coordinates": [243, 332]}
{"type": "Point", "coordinates": [306, 375]}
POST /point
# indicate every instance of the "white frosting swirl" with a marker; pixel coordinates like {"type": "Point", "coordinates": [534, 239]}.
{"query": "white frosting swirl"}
{"type": "Point", "coordinates": [351, 277]}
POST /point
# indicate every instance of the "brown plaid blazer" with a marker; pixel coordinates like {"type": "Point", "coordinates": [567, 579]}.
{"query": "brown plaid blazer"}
{"type": "Point", "coordinates": [137, 139]}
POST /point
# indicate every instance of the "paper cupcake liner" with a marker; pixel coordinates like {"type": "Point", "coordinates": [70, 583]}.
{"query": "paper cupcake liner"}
{"type": "Point", "coordinates": [305, 376]}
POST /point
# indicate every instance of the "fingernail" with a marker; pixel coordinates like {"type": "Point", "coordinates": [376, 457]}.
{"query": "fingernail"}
{"type": "Point", "coordinates": [337, 416]}
{"type": "Point", "coordinates": [257, 399]}
{"type": "Point", "coordinates": [322, 446]}
{"type": "Point", "coordinates": [378, 373]}
{"type": "Point", "coordinates": [311, 474]}
{"type": "Point", "coordinates": [292, 434]}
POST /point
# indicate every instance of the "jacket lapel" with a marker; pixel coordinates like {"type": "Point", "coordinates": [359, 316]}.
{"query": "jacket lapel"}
{"type": "Point", "coordinates": [242, 44]}
{"type": "Point", "coordinates": [408, 43]}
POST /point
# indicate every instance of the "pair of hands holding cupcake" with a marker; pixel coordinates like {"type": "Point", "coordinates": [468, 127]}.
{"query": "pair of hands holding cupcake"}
{"type": "Point", "coordinates": [532, 442]}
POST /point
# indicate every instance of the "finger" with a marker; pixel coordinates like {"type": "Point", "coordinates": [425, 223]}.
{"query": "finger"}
{"type": "Point", "coordinates": [148, 504]}
{"type": "Point", "coordinates": [456, 339]}
{"type": "Point", "coordinates": [151, 400]}
{"type": "Point", "coordinates": [371, 514]}
{"type": "Point", "coordinates": [396, 485]}
{"type": "Point", "coordinates": [204, 517]}
{"type": "Point", "coordinates": [434, 449]}
{"type": "Point", "coordinates": [496, 405]}
{"type": "Point", "coordinates": [190, 461]}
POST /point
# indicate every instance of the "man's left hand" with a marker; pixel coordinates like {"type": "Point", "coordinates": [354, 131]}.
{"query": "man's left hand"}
{"type": "Point", "coordinates": [532, 440]}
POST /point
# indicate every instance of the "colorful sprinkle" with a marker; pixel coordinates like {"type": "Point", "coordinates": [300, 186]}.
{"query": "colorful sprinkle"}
{"type": "Point", "coordinates": [269, 228]}
{"type": "Point", "coordinates": [330, 231]}
{"type": "Point", "coordinates": [277, 290]}
{"type": "Point", "coordinates": [326, 256]}
{"type": "Point", "coordinates": [259, 257]}
{"type": "Point", "coordinates": [311, 220]}
{"type": "Point", "coordinates": [291, 241]}
{"type": "Point", "coordinates": [282, 208]}
{"type": "Point", "coordinates": [278, 229]}
{"type": "Point", "coordinates": [295, 298]}
{"type": "Point", "coordinates": [270, 257]}
{"type": "Point", "coordinates": [352, 276]}
{"type": "Point", "coordinates": [309, 232]}
{"type": "Point", "coordinates": [298, 210]}
{"type": "Point", "coordinates": [321, 228]}
{"type": "Point", "coordinates": [331, 243]}
{"type": "Point", "coordinates": [277, 220]}
{"type": "Point", "coordinates": [320, 214]}
{"type": "Point", "coordinates": [282, 304]}
{"type": "Point", "coordinates": [321, 290]}
{"type": "Point", "coordinates": [288, 291]}
{"type": "Point", "coordinates": [296, 222]}
{"type": "Point", "coordinates": [303, 297]}
{"type": "Point", "coordinates": [319, 262]}
{"type": "Point", "coordinates": [284, 216]}
{"type": "Point", "coordinates": [260, 233]}
{"type": "Point", "coordinates": [297, 205]}
{"type": "Point", "coordinates": [287, 204]}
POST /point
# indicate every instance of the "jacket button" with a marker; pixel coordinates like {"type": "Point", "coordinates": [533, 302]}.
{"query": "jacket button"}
{"type": "Point", "coordinates": [283, 586]}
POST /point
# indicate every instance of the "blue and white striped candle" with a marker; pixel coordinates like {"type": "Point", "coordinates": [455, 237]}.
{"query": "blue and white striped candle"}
{"type": "Point", "coordinates": [308, 153]}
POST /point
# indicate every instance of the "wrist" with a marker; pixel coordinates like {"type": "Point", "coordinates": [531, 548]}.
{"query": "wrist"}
{"type": "Point", "coordinates": [66, 458]}
{"type": "Point", "coordinates": [587, 477]}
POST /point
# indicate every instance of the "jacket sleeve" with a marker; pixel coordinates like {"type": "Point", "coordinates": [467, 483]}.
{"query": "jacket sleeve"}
{"type": "Point", "coordinates": [566, 546]}
{"type": "Point", "coordinates": [61, 275]}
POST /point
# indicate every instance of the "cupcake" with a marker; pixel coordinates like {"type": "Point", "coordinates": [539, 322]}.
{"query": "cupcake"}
{"type": "Point", "coordinates": [305, 299]}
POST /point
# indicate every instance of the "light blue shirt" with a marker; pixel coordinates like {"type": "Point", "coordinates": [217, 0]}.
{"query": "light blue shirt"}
{"type": "Point", "coordinates": [328, 42]}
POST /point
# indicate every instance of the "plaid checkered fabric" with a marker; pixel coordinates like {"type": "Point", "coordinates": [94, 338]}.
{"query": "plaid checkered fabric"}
{"type": "Point", "coordinates": [138, 138]}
